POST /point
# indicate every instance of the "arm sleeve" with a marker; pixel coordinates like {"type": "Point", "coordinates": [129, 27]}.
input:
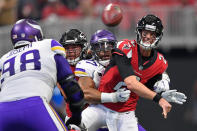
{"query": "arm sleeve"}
{"type": "Point", "coordinates": [123, 63]}
{"type": "Point", "coordinates": [71, 88]}
{"type": "Point", "coordinates": [63, 68]}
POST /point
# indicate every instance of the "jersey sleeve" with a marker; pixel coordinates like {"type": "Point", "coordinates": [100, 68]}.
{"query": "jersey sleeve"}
{"type": "Point", "coordinates": [58, 48]}
{"type": "Point", "coordinates": [63, 68]}
{"type": "Point", "coordinates": [85, 68]}
{"type": "Point", "coordinates": [123, 63]}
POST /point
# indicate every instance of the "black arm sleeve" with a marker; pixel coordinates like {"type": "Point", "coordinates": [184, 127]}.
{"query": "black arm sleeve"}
{"type": "Point", "coordinates": [150, 83]}
{"type": "Point", "coordinates": [75, 96]}
{"type": "Point", "coordinates": [123, 63]}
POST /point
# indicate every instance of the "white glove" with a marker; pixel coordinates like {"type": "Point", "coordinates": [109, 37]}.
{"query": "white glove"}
{"type": "Point", "coordinates": [174, 96]}
{"type": "Point", "coordinates": [121, 95]}
{"type": "Point", "coordinates": [162, 85]}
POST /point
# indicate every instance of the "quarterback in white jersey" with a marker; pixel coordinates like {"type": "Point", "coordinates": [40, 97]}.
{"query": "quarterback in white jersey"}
{"type": "Point", "coordinates": [29, 74]}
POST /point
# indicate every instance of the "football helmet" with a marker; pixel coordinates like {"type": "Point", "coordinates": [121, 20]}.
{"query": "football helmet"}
{"type": "Point", "coordinates": [75, 37]}
{"type": "Point", "coordinates": [25, 30]}
{"type": "Point", "coordinates": [151, 23]}
{"type": "Point", "coordinates": [102, 42]}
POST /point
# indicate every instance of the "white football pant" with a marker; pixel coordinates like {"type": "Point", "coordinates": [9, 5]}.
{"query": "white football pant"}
{"type": "Point", "coordinates": [96, 116]}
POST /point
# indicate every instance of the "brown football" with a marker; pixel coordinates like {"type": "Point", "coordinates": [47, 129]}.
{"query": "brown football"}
{"type": "Point", "coordinates": [112, 14]}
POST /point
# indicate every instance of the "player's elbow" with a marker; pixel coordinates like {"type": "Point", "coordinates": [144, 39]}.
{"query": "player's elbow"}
{"type": "Point", "coordinates": [131, 81]}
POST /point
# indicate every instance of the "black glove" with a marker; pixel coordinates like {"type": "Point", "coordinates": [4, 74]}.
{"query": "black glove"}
{"type": "Point", "coordinates": [74, 119]}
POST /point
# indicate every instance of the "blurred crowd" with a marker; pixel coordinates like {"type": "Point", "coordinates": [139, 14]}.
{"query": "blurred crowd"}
{"type": "Point", "coordinates": [12, 10]}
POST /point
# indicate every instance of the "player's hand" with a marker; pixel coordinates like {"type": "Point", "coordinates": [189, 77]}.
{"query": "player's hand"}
{"type": "Point", "coordinates": [162, 85]}
{"type": "Point", "coordinates": [165, 106]}
{"type": "Point", "coordinates": [174, 96]}
{"type": "Point", "coordinates": [122, 95]}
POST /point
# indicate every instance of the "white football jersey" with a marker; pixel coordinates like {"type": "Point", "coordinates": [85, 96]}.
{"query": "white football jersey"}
{"type": "Point", "coordinates": [30, 71]}
{"type": "Point", "coordinates": [90, 68]}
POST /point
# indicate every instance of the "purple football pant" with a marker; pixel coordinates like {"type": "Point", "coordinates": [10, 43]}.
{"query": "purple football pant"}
{"type": "Point", "coordinates": [30, 114]}
{"type": "Point", "coordinates": [140, 128]}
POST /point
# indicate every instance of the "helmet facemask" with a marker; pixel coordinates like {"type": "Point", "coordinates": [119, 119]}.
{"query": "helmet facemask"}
{"type": "Point", "coordinates": [102, 51]}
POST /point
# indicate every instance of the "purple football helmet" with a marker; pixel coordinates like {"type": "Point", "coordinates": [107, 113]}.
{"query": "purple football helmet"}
{"type": "Point", "coordinates": [102, 42]}
{"type": "Point", "coordinates": [25, 30]}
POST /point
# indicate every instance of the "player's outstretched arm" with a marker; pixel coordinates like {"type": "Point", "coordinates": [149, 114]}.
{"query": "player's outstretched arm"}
{"type": "Point", "coordinates": [134, 85]}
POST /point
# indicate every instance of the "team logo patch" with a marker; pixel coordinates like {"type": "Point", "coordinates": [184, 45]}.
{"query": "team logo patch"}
{"type": "Point", "coordinates": [125, 47]}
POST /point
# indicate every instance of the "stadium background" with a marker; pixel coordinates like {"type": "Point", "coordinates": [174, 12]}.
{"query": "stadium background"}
{"type": "Point", "coordinates": [179, 43]}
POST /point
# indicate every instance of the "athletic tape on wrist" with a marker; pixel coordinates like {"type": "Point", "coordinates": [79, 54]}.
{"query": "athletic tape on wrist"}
{"type": "Point", "coordinates": [156, 98]}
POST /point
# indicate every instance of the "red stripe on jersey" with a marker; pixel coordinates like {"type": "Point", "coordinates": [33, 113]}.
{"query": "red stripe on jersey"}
{"type": "Point", "coordinates": [118, 53]}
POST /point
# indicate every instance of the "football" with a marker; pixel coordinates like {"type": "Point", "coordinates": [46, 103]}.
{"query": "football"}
{"type": "Point", "coordinates": [112, 14]}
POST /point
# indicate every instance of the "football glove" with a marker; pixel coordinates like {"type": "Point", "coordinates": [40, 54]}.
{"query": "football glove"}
{"type": "Point", "coordinates": [162, 85]}
{"type": "Point", "coordinates": [174, 96]}
{"type": "Point", "coordinates": [121, 95]}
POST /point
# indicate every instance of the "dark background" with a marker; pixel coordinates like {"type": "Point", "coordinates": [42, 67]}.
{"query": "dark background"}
{"type": "Point", "coordinates": [182, 71]}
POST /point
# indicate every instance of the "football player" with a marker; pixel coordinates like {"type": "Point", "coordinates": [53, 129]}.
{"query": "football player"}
{"type": "Point", "coordinates": [90, 71]}
{"type": "Point", "coordinates": [75, 43]}
{"type": "Point", "coordinates": [29, 74]}
{"type": "Point", "coordinates": [134, 64]}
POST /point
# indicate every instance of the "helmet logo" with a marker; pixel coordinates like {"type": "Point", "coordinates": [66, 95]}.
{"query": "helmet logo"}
{"type": "Point", "coordinates": [125, 47]}
{"type": "Point", "coordinates": [14, 36]}
{"type": "Point", "coordinates": [82, 36]}
{"type": "Point", "coordinates": [23, 35]}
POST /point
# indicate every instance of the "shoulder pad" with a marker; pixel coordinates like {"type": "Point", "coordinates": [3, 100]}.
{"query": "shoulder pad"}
{"type": "Point", "coordinates": [161, 57]}
{"type": "Point", "coordinates": [85, 68]}
{"type": "Point", "coordinates": [58, 48]}
{"type": "Point", "coordinates": [126, 47]}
